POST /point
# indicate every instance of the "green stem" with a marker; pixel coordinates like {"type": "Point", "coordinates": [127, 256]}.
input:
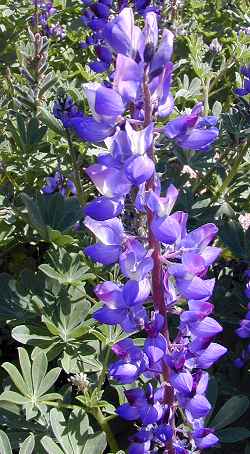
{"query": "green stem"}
{"type": "Point", "coordinates": [77, 179]}
{"type": "Point", "coordinates": [104, 425]}
{"type": "Point", "coordinates": [104, 369]}
{"type": "Point", "coordinates": [232, 172]}
{"type": "Point", "coordinates": [59, 404]}
{"type": "Point", "coordinates": [206, 96]}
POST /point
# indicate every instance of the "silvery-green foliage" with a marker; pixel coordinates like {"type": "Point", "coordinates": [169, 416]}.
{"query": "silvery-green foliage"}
{"type": "Point", "coordinates": [32, 383]}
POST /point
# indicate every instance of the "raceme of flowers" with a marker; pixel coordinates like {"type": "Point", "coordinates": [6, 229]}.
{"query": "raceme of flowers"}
{"type": "Point", "coordinates": [166, 266]}
{"type": "Point", "coordinates": [96, 17]}
{"type": "Point", "coordinates": [244, 330]}
{"type": "Point", "coordinates": [45, 10]}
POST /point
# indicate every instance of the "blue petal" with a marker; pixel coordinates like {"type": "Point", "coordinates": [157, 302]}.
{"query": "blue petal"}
{"type": "Point", "coordinates": [107, 255]}
{"type": "Point", "coordinates": [87, 128]}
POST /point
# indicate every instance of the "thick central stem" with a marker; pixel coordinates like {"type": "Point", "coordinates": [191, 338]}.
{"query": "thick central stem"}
{"type": "Point", "coordinates": [157, 272]}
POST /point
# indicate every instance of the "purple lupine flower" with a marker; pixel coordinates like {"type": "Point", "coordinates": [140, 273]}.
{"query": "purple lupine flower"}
{"type": "Point", "coordinates": [190, 392]}
{"type": "Point", "coordinates": [215, 47]}
{"type": "Point", "coordinates": [65, 109]}
{"type": "Point", "coordinates": [193, 132]}
{"type": "Point", "coordinates": [46, 10]}
{"type": "Point", "coordinates": [184, 257]}
{"type": "Point", "coordinates": [104, 208]}
{"type": "Point", "coordinates": [245, 90]}
{"type": "Point", "coordinates": [58, 183]}
{"type": "Point", "coordinates": [123, 305]}
{"type": "Point", "coordinates": [204, 438]}
{"type": "Point", "coordinates": [135, 262]}
{"type": "Point", "coordinates": [110, 182]}
{"type": "Point", "coordinates": [146, 406]}
{"type": "Point", "coordinates": [132, 364]}
{"type": "Point", "coordinates": [123, 35]}
{"type": "Point", "coordinates": [110, 233]}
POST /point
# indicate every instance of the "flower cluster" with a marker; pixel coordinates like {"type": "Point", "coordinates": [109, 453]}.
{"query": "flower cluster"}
{"type": "Point", "coordinates": [97, 16]}
{"type": "Point", "coordinates": [45, 11]}
{"type": "Point", "coordinates": [65, 109]}
{"type": "Point", "coordinates": [244, 330]}
{"type": "Point", "coordinates": [168, 265]}
{"type": "Point", "coordinates": [58, 183]}
{"type": "Point", "coordinates": [245, 90]}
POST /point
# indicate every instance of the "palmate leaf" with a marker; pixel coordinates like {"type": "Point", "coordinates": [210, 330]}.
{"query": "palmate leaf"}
{"type": "Point", "coordinates": [32, 384]}
{"type": "Point", "coordinates": [67, 268]}
{"type": "Point", "coordinates": [61, 335]}
{"type": "Point", "coordinates": [15, 301]}
{"type": "Point", "coordinates": [5, 447]}
{"type": "Point", "coordinates": [27, 447]}
{"type": "Point", "coordinates": [73, 435]}
{"type": "Point", "coordinates": [53, 216]}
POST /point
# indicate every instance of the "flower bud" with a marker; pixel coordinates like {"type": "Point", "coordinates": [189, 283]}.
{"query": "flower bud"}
{"type": "Point", "coordinates": [215, 47]}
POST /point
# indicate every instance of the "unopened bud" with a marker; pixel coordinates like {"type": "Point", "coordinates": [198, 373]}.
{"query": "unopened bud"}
{"type": "Point", "coordinates": [215, 47]}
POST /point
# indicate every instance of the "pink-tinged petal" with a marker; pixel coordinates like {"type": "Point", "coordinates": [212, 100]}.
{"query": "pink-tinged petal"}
{"type": "Point", "coordinates": [210, 254]}
{"type": "Point", "coordinates": [198, 139]}
{"type": "Point", "coordinates": [202, 384]}
{"type": "Point", "coordinates": [166, 229]}
{"type": "Point", "coordinates": [107, 255]}
{"type": "Point", "coordinates": [196, 288]}
{"type": "Point", "coordinates": [109, 232]}
{"type": "Point", "coordinates": [198, 406]}
{"type": "Point", "coordinates": [206, 328]}
{"type": "Point", "coordinates": [176, 127]}
{"type": "Point", "coordinates": [108, 291]}
{"type": "Point", "coordinates": [109, 181]}
{"type": "Point", "coordinates": [182, 382]}
{"type": "Point", "coordinates": [109, 316]}
{"type": "Point", "coordinates": [203, 235]}
{"type": "Point", "coordinates": [206, 442]}
{"type": "Point", "coordinates": [200, 306]}
{"type": "Point", "coordinates": [193, 263]}
{"type": "Point", "coordinates": [208, 357]}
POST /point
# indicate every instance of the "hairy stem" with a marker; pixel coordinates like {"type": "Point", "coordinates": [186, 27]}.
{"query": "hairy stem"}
{"type": "Point", "coordinates": [104, 369]}
{"type": "Point", "coordinates": [104, 425]}
{"type": "Point", "coordinates": [77, 179]}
